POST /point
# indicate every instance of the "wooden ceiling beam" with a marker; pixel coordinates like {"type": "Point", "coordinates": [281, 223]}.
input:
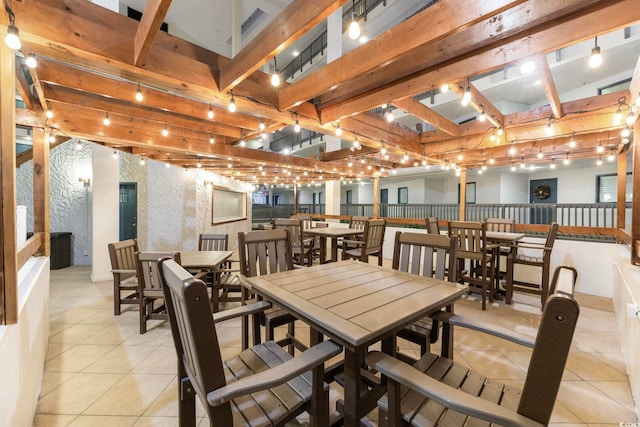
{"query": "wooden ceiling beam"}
{"type": "Point", "coordinates": [24, 89]}
{"type": "Point", "coordinates": [548, 85]}
{"type": "Point", "coordinates": [480, 103]}
{"type": "Point", "coordinates": [294, 21]}
{"type": "Point", "coordinates": [444, 18]}
{"type": "Point", "coordinates": [154, 13]}
{"type": "Point", "coordinates": [424, 113]}
{"type": "Point", "coordinates": [534, 27]}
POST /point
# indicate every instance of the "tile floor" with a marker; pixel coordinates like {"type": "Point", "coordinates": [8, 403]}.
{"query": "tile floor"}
{"type": "Point", "coordinates": [101, 372]}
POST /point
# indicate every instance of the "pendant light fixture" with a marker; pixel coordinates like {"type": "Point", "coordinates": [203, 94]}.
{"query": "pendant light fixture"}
{"type": "Point", "coordinates": [210, 112]}
{"type": "Point", "coordinates": [12, 38]}
{"type": "Point", "coordinates": [31, 61]}
{"type": "Point", "coordinates": [338, 130]}
{"type": "Point", "coordinates": [165, 131]}
{"type": "Point", "coordinates": [466, 96]}
{"type": "Point", "coordinates": [106, 121]}
{"type": "Point", "coordinates": [595, 60]}
{"type": "Point", "coordinates": [262, 125]}
{"type": "Point", "coordinates": [139, 96]}
{"type": "Point", "coordinates": [232, 104]}
{"type": "Point", "coordinates": [389, 114]}
{"type": "Point", "coordinates": [275, 77]}
{"type": "Point", "coordinates": [483, 116]}
{"type": "Point", "coordinates": [354, 27]}
{"type": "Point", "coordinates": [296, 127]}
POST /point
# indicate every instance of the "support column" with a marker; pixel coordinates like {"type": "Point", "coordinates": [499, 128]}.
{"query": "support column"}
{"type": "Point", "coordinates": [236, 27]}
{"type": "Point", "coordinates": [333, 143]}
{"type": "Point", "coordinates": [8, 233]}
{"type": "Point", "coordinates": [635, 204]}
{"type": "Point", "coordinates": [295, 198]}
{"type": "Point", "coordinates": [376, 197]}
{"type": "Point", "coordinates": [463, 195]}
{"type": "Point", "coordinates": [41, 205]}
{"type": "Point", "coordinates": [622, 188]}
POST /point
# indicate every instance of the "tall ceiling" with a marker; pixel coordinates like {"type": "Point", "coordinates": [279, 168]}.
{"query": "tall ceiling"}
{"type": "Point", "coordinates": [91, 61]}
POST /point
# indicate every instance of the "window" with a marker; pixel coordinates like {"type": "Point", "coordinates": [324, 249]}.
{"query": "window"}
{"type": "Point", "coordinates": [471, 192]}
{"type": "Point", "coordinates": [349, 197]}
{"type": "Point", "coordinates": [403, 195]}
{"type": "Point", "coordinates": [614, 87]}
{"type": "Point", "coordinates": [607, 188]}
{"type": "Point", "coordinates": [227, 205]}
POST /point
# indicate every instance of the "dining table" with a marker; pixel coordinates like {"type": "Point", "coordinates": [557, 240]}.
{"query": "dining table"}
{"type": "Point", "coordinates": [203, 260]}
{"type": "Point", "coordinates": [333, 233]}
{"type": "Point", "coordinates": [356, 305]}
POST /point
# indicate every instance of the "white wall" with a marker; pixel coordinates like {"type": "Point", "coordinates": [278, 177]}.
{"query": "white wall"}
{"type": "Point", "coordinates": [576, 185]}
{"type": "Point", "coordinates": [514, 188]}
{"type": "Point", "coordinates": [23, 346]}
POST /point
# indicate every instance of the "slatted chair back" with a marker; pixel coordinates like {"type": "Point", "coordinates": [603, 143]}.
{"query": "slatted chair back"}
{"type": "Point", "coordinates": [264, 252]}
{"type": "Point", "coordinates": [432, 225]}
{"type": "Point", "coordinates": [504, 225]}
{"type": "Point", "coordinates": [358, 222]}
{"type": "Point", "coordinates": [307, 222]}
{"type": "Point", "coordinates": [150, 286]}
{"type": "Point", "coordinates": [431, 255]}
{"type": "Point", "coordinates": [194, 336]}
{"type": "Point", "coordinates": [471, 235]}
{"type": "Point", "coordinates": [123, 267]}
{"type": "Point", "coordinates": [371, 243]}
{"type": "Point", "coordinates": [301, 248]}
{"type": "Point", "coordinates": [213, 242]}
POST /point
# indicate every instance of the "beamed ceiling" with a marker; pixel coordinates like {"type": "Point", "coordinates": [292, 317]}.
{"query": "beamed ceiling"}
{"type": "Point", "coordinates": [91, 61]}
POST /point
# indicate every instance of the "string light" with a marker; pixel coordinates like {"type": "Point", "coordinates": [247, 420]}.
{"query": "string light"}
{"type": "Point", "coordinates": [12, 39]}
{"type": "Point", "coordinates": [78, 145]}
{"type": "Point", "coordinates": [548, 130]}
{"type": "Point", "coordinates": [631, 118]}
{"type": "Point", "coordinates": [444, 88]}
{"type": "Point", "coordinates": [262, 125]}
{"type": "Point", "coordinates": [389, 114]}
{"type": "Point", "coordinates": [106, 121]}
{"type": "Point", "coordinates": [232, 104]}
{"type": "Point", "coordinates": [566, 160]}
{"type": "Point", "coordinates": [142, 161]}
{"type": "Point", "coordinates": [49, 113]}
{"type": "Point", "coordinates": [617, 119]}
{"type": "Point", "coordinates": [52, 137]}
{"type": "Point", "coordinates": [275, 77]}
{"type": "Point", "coordinates": [115, 154]}
{"type": "Point", "coordinates": [553, 163]}
{"type": "Point", "coordinates": [212, 140]}
{"type": "Point", "coordinates": [466, 96]}
{"type": "Point", "coordinates": [165, 131]}
{"type": "Point", "coordinates": [338, 130]}
{"type": "Point", "coordinates": [139, 96]}
{"type": "Point", "coordinates": [210, 112]}
{"type": "Point", "coordinates": [31, 61]}
{"type": "Point", "coordinates": [512, 149]}
{"type": "Point", "coordinates": [599, 161]}
{"type": "Point", "coordinates": [296, 127]}
{"type": "Point", "coordinates": [500, 131]}
{"type": "Point", "coordinates": [483, 116]}
{"type": "Point", "coordinates": [595, 60]}
{"type": "Point", "coordinates": [600, 148]}
{"type": "Point", "coordinates": [354, 27]}
{"type": "Point", "coordinates": [625, 132]}
{"type": "Point", "coordinates": [572, 142]}
{"type": "Point", "coordinates": [540, 153]}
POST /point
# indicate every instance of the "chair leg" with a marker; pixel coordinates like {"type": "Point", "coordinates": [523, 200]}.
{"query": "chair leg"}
{"type": "Point", "coordinates": [509, 286]}
{"type": "Point", "coordinates": [116, 300]}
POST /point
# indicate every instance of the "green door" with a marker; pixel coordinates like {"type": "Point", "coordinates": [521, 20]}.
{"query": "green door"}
{"type": "Point", "coordinates": [128, 210]}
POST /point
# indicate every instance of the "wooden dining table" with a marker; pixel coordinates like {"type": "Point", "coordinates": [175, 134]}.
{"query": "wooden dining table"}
{"type": "Point", "coordinates": [356, 305]}
{"type": "Point", "coordinates": [332, 233]}
{"type": "Point", "coordinates": [203, 260]}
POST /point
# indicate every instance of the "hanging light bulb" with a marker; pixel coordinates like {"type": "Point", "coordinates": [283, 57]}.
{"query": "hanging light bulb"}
{"type": "Point", "coordinates": [444, 88]}
{"type": "Point", "coordinates": [389, 114]}
{"type": "Point", "coordinates": [49, 113]}
{"type": "Point", "coordinates": [500, 131]}
{"type": "Point", "coordinates": [625, 132]}
{"type": "Point", "coordinates": [296, 127]}
{"type": "Point", "coordinates": [553, 164]}
{"type": "Point", "coordinates": [617, 119]}
{"type": "Point", "coordinates": [338, 130]}
{"type": "Point", "coordinates": [513, 167]}
{"type": "Point", "coordinates": [466, 96]}
{"type": "Point", "coordinates": [540, 153]}
{"type": "Point", "coordinates": [599, 161]}
{"type": "Point", "coordinates": [78, 145]}
{"type": "Point", "coordinates": [212, 140]}
{"type": "Point", "coordinates": [115, 154]}
{"type": "Point", "coordinates": [232, 104]}
{"type": "Point", "coordinates": [275, 77]}
{"type": "Point", "coordinates": [31, 61]}
{"type": "Point", "coordinates": [566, 160]}
{"type": "Point", "coordinates": [595, 60]}
{"type": "Point", "coordinates": [165, 131]}
{"type": "Point", "coordinates": [261, 125]}
{"type": "Point", "coordinates": [600, 148]}
{"type": "Point", "coordinates": [523, 165]}
{"type": "Point", "coordinates": [483, 116]}
{"type": "Point", "coordinates": [383, 150]}
{"type": "Point", "coordinates": [611, 157]}
{"type": "Point", "coordinates": [139, 96]}
{"type": "Point", "coordinates": [492, 160]}
{"type": "Point", "coordinates": [406, 156]}
{"type": "Point", "coordinates": [210, 112]}
{"type": "Point", "coordinates": [548, 130]}
{"type": "Point", "coordinates": [354, 27]}
{"type": "Point", "coordinates": [106, 121]}
{"type": "Point", "coordinates": [512, 149]}
{"type": "Point", "coordinates": [631, 118]}
{"type": "Point", "coordinates": [52, 137]}
{"type": "Point", "coordinates": [460, 157]}
{"type": "Point", "coordinates": [167, 165]}
{"type": "Point", "coordinates": [13, 35]}
{"type": "Point", "coordinates": [142, 161]}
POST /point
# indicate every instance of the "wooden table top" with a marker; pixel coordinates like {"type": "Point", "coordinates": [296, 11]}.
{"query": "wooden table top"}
{"type": "Point", "coordinates": [504, 237]}
{"type": "Point", "coordinates": [203, 259]}
{"type": "Point", "coordinates": [332, 231]}
{"type": "Point", "coordinates": [355, 303]}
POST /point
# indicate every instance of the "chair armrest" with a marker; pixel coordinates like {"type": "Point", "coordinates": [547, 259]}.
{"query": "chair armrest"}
{"type": "Point", "coordinates": [355, 242]}
{"type": "Point", "coordinates": [280, 374]}
{"type": "Point", "coordinates": [243, 310]}
{"type": "Point", "coordinates": [123, 271]}
{"type": "Point", "coordinates": [486, 327]}
{"type": "Point", "coordinates": [450, 397]}
{"type": "Point", "coordinates": [534, 246]}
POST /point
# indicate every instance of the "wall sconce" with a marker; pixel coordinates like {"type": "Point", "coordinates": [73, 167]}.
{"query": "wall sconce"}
{"type": "Point", "coordinates": [85, 181]}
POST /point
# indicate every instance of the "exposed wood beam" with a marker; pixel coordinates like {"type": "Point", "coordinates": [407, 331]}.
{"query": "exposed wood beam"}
{"type": "Point", "coordinates": [41, 205]}
{"type": "Point", "coordinates": [345, 154]}
{"type": "Point", "coordinates": [154, 13]}
{"type": "Point", "coordinates": [444, 18]}
{"type": "Point", "coordinates": [29, 118]}
{"type": "Point", "coordinates": [23, 89]}
{"type": "Point", "coordinates": [501, 45]}
{"type": "Point", "coordinates": [424, 113]}
{"type": "Point", "coordinates": [549, 86]}
{"type": "Point", "coordinates": [298, 18]}
{"type": "Point", "coordinates": [479, 103]}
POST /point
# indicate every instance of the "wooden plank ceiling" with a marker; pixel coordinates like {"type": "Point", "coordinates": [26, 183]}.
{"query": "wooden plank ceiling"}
{"type": "Point", "coordinates": [92, 61]}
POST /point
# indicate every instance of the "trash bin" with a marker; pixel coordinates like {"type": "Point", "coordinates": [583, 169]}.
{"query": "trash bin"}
{"type": "Point", "coordinates": [60, 250]}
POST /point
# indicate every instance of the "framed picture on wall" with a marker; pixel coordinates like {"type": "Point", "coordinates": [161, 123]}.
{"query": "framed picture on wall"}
{"type": "Point", "coordinates": [471, 192]}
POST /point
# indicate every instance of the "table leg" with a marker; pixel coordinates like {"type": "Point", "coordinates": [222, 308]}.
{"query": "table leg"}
{"type": "Point", "coordinates": [447, 337]}
{"type": "Point", "coordinates": [334, 249]}
{"type": "Point", "coordinates": [323, 249]}
{"type": "Point", "coordinates": [352, 386]}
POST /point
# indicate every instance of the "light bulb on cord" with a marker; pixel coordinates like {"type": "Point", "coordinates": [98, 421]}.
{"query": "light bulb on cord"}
{"type": "Point", "coordinates": [631, 118]}
{"type": "Point", "coordinates": [389, 115]}
{"type": "Point", "coordinates": [444, 88]}
{"type": "Point", "coordinates": [13, 37]}
{"type": "Point", "coordinates": [52, 137]}
{"type": "Point", "coordinates": [261, 125]}
{"type": "Point", "coordinates": [354, 28]}
{"type": "Point", "coordinates": [210, 112]}
{"type": "Point", "coordinates": [296, 127]}
{"type": "Point", "coordinates": [165, 131]}
{"type": "Point", "coordinates": [31, 61]}
{"type": "Point", "coordinates": [106, 120]}
{"type": "Point", "coordinates": [466, 97]}
{"type": "Point", "coordinates": [115, 154]}
{"type": "Point", "coordinates": [595, 60]}
{"type": "Point", "coordinates": [338, 130]}
{"type": "Point", "coordinates": [483, 116]}
{"type": "Point", "coordinates": [275, 77]}
{"type": "Point", "coordinates": [572, 142]}
{"type": "Point", "coordinates": [212, 140]}
{"type": "Point", "coordinates": [139, 96]}
{"type": "Point", "coordinates": [625, 132]}
{"type": "Point", "coordinates": [232, 104]}
{"type": "Point", "coordinates": [617, 119]}
{"type": "Point", "coordinates": [49, 113]}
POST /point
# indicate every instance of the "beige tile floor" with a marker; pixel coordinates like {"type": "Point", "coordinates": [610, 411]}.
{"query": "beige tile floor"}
{"type": "Point", "coordinates": [101, 372]}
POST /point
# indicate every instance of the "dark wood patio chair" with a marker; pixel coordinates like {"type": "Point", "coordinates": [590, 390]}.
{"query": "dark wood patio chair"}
{"type": "Point", "coordinates": [432, 225]}
{"type": "Point", "coordinates": [370, 245]}
{"type": "Point", "coordinates": [473, 246]}
{"type": "Point", "coordinates": [504, 225]}
{"type": "Point", "coordinates": [152, 304]}
{"type": "Point", "coordinates": [430, 255]}
{"type": "Point", "coordinates": [263, 385]}
{"type": "Point", "coordinates": [125, 278]}
{"type": "Point", "coordinates": [223, 280]}
{"type": "Point", "coordinates": [263, 252]}
{"type": "Point", "coordinates": [536, 255]}
{"type": "Point", "coordinates": [301, 247]}
{"type": "Point", "coordinates": [439, 391]}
